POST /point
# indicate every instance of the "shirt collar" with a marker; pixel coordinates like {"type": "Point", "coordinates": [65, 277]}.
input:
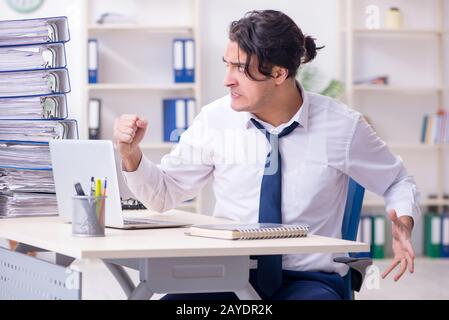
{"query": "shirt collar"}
{"type": "Point", "coordinates": [301, 116]}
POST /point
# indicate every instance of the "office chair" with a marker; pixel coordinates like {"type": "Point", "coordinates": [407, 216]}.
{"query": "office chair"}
{"type": "Point", "coordinates": [357, 266]}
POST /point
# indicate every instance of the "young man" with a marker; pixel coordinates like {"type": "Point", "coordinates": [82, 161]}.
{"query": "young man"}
{"type": "Point", "coordinates": [276, 154]}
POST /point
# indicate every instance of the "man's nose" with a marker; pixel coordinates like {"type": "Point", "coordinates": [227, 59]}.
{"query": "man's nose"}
{"type": "Point", "coordinates": [229, 80]}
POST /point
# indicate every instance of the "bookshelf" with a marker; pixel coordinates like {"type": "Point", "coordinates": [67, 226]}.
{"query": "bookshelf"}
{"type": "Point", "coordinates": [415, 59]}
{"type": "Point", "coordinates": [135, 66]}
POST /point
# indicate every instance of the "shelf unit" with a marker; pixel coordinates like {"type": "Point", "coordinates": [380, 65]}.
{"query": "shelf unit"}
{"type": "Point", "coordinates": [135, 66]}
{"type": "Point", "coordinates": [424, 35]}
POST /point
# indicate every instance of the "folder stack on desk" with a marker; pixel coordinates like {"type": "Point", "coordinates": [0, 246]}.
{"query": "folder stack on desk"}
{"type": "Point", "coordinates": [34, 81]}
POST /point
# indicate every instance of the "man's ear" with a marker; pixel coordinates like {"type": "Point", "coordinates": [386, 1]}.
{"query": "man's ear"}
{"type": "Point", "coordinates": [279, 74]}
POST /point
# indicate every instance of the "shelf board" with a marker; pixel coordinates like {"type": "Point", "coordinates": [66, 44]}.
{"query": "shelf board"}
{"type": "Point", "coordinates": [142, 28]}
{"type": "Point", "coordinates": [399, 32]}
{"type": "Point", "coordinates": [157, 146]}
{"type": "Point", "coordinates": [389, 88]}
{"type": "Point", "coordinates": [141, 86]}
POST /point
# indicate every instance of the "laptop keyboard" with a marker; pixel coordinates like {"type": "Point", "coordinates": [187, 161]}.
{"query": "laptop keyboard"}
{"type": "Point", "coordinates": [130, 222]}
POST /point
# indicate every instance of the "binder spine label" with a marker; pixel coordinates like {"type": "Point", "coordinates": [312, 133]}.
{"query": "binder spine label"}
{"type": "Point", "coordinates": [445, 231]}
{"type": "Point", "coordinates": [379, 231]}
{"type": "Point", "coordinates": [435, 227]}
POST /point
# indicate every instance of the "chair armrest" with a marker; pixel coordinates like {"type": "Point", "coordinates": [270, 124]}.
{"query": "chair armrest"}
{"type": "Point", "coordinates": [358, 267]}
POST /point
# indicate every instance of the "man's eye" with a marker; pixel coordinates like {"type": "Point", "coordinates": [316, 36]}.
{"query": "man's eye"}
{"type": "Point", "coordinates": [241, 68]}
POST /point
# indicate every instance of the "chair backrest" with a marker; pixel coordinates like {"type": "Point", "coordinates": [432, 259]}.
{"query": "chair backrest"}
{"type": "Point", "coordinates": [353, 210]}
{"type": "Point", "coordinates": [349, 228]}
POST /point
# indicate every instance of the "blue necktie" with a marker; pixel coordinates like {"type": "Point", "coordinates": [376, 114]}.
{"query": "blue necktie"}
{"type": "Point", "coordinates": [269, 268]}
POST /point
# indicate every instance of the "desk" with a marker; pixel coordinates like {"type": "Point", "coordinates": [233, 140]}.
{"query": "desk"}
{"type": "Point", "coordinates": [168, 261]}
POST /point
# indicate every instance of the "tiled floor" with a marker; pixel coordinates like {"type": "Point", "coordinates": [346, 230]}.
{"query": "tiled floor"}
{"type": "Point", "coordinates": [430, 281]}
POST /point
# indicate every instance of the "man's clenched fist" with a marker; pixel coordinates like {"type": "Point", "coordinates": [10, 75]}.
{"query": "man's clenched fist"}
{"type": "Point", "coordinates": [129, 131]}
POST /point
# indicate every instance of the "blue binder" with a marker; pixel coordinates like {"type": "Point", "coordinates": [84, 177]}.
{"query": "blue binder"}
{"type": "Point", "coordinates": [184, 60]}
{"type": "Point", "coordinates": [93, 56]}
{"type": "Point", "coordinates": [445, 235]}
{"type": "Point", "coordinates": [178, 116]}
{"type": "Point", "coordinates": [189, 60]}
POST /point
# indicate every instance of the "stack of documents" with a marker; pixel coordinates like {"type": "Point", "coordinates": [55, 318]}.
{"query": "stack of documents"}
{"type": "Point", "coordinates": [26, 180]}
{"type": "Point", "coordinates": [34, 31]}
{"type": "Point", "coordinates": [37, 130]}
{"type": "Point", "coordinates": [27, 204]}
{"type": "Point", "coordinates": [34, 81]}
{"type": "Point", "coordinates": [25, 156]}
{"type": "Point", "coordinates": [47, 107]}
{"type": "Point", "coordinates": [35, 57]}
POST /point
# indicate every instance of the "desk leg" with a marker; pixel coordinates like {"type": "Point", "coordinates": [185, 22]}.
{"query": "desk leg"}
{"type": "Point", "coordinates": [122, 278]}
{"type": "Point", "coordinates": [248, 293]}
{"type": "Point", "coordinates": [184, 275]}
{"type": "Point", "coordinates": [142, 292]}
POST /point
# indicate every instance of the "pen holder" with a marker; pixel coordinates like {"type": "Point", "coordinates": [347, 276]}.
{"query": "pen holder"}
{"type": "Point", "coordinates": [88, 216]}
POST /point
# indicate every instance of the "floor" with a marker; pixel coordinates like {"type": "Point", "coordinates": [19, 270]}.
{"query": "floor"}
{"type": "Point", "coordinates": [430, 281]}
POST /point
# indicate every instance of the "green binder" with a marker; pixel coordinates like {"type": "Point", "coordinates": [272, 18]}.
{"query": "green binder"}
{"type": "Point", "coordinates": [378, 234]}
{"type": "Point", "coordinates": [432, 235]}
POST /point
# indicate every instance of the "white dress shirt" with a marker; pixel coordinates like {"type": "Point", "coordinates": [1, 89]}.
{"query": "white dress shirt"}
{"type": "Point", "coordinates": [330, 143]}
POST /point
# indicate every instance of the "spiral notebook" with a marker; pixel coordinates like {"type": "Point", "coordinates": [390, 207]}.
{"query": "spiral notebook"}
{"type": "Point", "coordinates": [249, 231]}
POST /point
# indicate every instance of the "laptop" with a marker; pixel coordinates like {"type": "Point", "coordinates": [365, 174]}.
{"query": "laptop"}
{"type": "Point", "coordinates": [77, 161]}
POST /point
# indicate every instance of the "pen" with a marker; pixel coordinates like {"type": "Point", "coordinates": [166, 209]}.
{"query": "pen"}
{"type": "Point", "coordinates": [98, 194]}
{"type": "Point", "coordinates": [92, 186]}
{"type": "Point", "coordinates": [98, 188]}
{"type": "Point", "coordinates": [105, 186]}
{"type": "Point", "coordinates": [79, 189]}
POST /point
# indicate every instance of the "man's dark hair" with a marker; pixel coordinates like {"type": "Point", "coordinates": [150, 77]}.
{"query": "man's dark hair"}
{"type": "Point", "coordinates": [275, 39]}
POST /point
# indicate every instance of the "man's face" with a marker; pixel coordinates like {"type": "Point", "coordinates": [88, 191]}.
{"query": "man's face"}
{"type": "Point", "coordinates": [246, 94]}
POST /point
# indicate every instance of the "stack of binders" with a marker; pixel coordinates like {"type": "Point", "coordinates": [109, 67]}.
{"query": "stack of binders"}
{"type": "Point", "coordinates": [178, 116]}
{"type": "Point", "coordinates": [184, 60]}
{"type": "Point", "coordinates": [372, 231]}
{"type": "Point", "coordinates": [34, 82]}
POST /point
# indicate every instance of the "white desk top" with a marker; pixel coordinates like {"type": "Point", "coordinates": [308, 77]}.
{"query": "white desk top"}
{"type": "Point", "coordinates": [51, 234]}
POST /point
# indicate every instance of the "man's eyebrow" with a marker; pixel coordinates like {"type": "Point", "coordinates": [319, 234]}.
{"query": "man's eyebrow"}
{"type": "Point", "coordinates": [238, 64]}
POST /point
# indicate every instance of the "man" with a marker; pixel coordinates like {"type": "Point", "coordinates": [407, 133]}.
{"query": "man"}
{"type": "Point", "coordinates": [276, 154]}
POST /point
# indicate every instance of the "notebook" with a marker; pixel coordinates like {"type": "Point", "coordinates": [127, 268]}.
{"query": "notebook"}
{"type": "Point", "coordinates": [249, 231]}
